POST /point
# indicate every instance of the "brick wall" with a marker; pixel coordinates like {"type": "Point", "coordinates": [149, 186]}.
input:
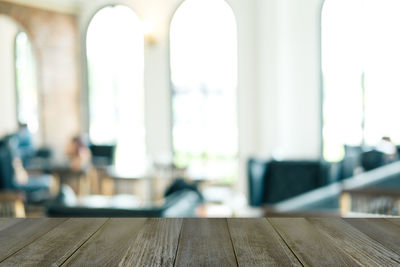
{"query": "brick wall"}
{"type": "Point", "coordinates": [54, 37]}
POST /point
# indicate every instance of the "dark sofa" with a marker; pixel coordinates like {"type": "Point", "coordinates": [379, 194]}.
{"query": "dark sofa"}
{"type": "Point", "coordinates": [178, 204]}
{"type": "Point", "coordinates": [274, 181]}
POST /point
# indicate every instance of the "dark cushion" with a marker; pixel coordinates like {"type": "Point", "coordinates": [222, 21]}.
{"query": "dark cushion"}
{"type": "Point", "coordinates": [372, 159]}
{"type": "Point", "coordinates": [256, 171]}
{"type": "Point", "coordinates": [286, 179]}
{"type": "Point", "coordinates": [273, 181]}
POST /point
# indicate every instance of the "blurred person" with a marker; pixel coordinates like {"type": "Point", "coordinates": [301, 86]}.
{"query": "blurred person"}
{"type": "Point", "coordinates": [21, 176]}
{"type": "Point", "coordinates": [78, 154]}
{"type": "Point", "coordinates": [36, 186]}
{"type": "Point", "coordinates": [25, 147]}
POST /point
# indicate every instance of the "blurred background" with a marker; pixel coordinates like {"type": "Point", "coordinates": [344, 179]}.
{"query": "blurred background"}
{"type": "Point", "coordinates": [199, 108]}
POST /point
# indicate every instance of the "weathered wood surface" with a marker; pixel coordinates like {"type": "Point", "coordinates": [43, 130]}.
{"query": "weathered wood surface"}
{"type": "Point", "coordinates": [205, 242]}
{"type": "Point", "coordinates": [256, 243]}
{"type": "Point", "coordinates": [108, 246]}
{"type": "Point", "coordinates": [309, 244]}
{"type": "Point", "coordinates": [381, 230]}
{"type": "Point", "coordinates": [19, 235]}
{"type": "Point", "coordinates": [56, 246]}
{"type": "Point", "coordinates": [155, 245]}
{"type": "Point", "coordinates": [200, 242]}
{"type": "Point", "coordinates": [359, 246]}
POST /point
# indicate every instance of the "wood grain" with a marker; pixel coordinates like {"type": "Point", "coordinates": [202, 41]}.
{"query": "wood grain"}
{"type": "Point", "coordinates": [109, 245]}
{"type": "Point", "coordinates": [155, 244]}
{"type": "Point", "coordinates": [23, 233]}
{"type": "Point", "coordinates": [205, 242]}
{"type": "Point", "coordinates": [380, 230]}
{"type": "Point", "coordinates": [54, 247]}
{"type": "Point", "coordinates": [358, 245]}
{"type": "Point", "coordinates": [309, 245]}
{"type": "Point", "coordinates": [7, 222]}
{"type": "Point", "coordinates": [394, 221]}
{"type": "Point", "coordinates": [200, 242]}
{"type": "Point", "coordinates": [257, 244]}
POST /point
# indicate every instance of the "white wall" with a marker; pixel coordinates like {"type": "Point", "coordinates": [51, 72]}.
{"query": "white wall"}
{"type": "Point", "coordinates": [8, 109]}
{"type": "Point", "coordinates": [289, 78]}
{"type": "Point", "coordinates": [247, 91]}
{"type": "Point", "coordinates": [278, 76]}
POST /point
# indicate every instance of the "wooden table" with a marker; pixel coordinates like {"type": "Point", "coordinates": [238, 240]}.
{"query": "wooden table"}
{"type": "Point", "coordinates": [195, 242]}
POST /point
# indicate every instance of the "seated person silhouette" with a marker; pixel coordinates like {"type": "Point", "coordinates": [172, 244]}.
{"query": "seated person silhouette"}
{"type": "Point", "coordinates": [78, 154]}
{"type": "Point", "coordinates": [25, 147]}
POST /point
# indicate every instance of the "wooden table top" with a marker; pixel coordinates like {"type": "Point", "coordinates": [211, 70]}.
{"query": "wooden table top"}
{"type": "Point", "coordinates": [200, 242]}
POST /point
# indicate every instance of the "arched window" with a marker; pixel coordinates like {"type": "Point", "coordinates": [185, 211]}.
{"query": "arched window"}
{"type": "Point", "coordinates": [360, 64]}
{"type": "Point", "coordinates": [115, 59]}
{"type": "Point", "coordinates": [203, 51]}
{"type": "Point", "coordinates": [25, 81]}
{"type": "Point", "coordinates": [18, 81]}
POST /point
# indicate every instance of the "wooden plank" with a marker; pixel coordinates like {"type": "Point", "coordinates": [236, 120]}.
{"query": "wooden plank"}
{"type": "Point", "coordinates": [358, 245]}
{"type": "Point", "coordinates": [394, 220]}
{"type": "Point", "coordinates": [53, 248]}
{"type": "Point", "coordinates": [7, 222]}
{"type": "Point", "coordinates": [256, 243]}
{"type": "Point", "coordinates": [155, 244]}
{"type": "Point", "coordinates": [310, 246]}
{"type": "Point", "coordinates": [23, 233]}
{"type": "Point", "coordinates": [380, 230]}
{"type": "Point", "coordinates": [109, 245]}
{"type": "Point", "coordinates": [205, 242]}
